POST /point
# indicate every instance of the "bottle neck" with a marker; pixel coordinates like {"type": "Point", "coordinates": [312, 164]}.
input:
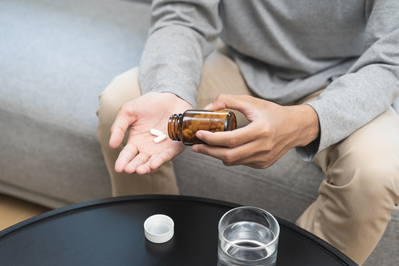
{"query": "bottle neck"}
{"type": "Point", "coordinates": [174, 126]}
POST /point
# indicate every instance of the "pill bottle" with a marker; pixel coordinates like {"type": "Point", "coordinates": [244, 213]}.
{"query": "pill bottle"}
{"type": "Point", "coordinates": [182, 127]}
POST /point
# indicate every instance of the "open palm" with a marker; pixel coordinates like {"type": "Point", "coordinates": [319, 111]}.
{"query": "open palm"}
{"type": "Point", "coordinates": [141, 154]}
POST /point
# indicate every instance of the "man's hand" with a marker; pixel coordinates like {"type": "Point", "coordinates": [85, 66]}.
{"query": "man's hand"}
{"type": "Point", "coordinates": [141, 154]}
{"type": "Point", "coordinates": [273, 130]}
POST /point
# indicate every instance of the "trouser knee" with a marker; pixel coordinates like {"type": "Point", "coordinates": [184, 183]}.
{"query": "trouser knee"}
{"type": "Point", "coordinates": [374, 181]}
{"type": "Point", "coordinates": [367, 161]}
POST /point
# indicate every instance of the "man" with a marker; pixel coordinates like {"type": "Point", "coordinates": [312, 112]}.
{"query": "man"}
{"type": "Point", "coordinates": [315, 75]}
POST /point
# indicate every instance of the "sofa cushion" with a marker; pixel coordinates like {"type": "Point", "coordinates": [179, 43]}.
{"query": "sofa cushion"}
{"type": "Point", "coordinates": [55, 59]}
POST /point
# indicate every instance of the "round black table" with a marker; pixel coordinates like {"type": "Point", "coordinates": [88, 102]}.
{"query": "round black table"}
{"type": "Point", "coordinates": [110, 232]}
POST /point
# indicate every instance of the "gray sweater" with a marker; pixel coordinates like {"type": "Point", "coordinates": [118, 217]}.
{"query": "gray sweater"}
{"type": "Point", "coordinates": [285, 49]}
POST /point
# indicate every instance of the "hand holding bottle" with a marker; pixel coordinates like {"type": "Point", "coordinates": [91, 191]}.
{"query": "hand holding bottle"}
{"type": "Point", "coordinates": [273, 130]}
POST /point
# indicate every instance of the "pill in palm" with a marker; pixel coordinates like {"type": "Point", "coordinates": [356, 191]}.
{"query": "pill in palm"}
{"type": "Point", "coordinates": [155, 132]}
{"type": "Point", "coordinates": [160, 138]}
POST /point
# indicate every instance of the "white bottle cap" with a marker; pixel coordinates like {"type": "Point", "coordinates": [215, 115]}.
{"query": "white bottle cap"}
{"type": "Point", "coordinates": [159, 228]}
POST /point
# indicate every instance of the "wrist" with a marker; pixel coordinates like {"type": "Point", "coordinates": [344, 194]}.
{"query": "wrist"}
{"type": "Point", "coordinates": [179, 99]}
{"type": "Point", "coordinates": [307, 124]}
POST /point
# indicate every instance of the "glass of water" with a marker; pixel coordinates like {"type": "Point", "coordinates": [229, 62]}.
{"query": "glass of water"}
{"type": "Point", "coordinates": [248, 236]}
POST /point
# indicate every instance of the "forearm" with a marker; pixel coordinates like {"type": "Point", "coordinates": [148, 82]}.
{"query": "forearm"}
{"type": "Point", "coordinates": [172, 62]}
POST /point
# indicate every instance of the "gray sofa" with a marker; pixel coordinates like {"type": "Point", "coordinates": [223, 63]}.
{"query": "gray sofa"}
{"type": "Point", "coordinates": [55, 59]}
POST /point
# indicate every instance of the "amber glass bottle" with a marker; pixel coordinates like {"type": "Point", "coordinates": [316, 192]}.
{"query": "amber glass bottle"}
{"type": "Point", "coordinates": [182, 127]}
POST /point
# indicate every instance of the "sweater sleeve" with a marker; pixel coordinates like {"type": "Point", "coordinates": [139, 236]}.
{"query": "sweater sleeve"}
{"type": "Point", "coordinates": [368, 88]}
{"type": "Point", "coordinates": [181, 35]}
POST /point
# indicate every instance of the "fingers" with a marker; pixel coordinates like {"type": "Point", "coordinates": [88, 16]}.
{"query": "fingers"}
{"type": "Point", "coordinates": [154, 162]}
{"type": "Point", "coordinates": [125, 118]}
{"type": "Point", "coordinates": [235, 102]}
{"type": "Point", "coordinates": [226, 155]}
{"type": "Point", "coordinates": [164, 157]}
{"type": "Point", "coordinates": [117, 135]}
{"type": "Point", "coordinates": [140, 163]}
{"type": "Point", "coordinates": [252, 145]}
{"type": "Point", "coordinates": [248, 154]}
{"type": "Point", "coordinates": [144, 164]}
{"type": "Point", "coordinates": [131, 160]}
{"type": "Point", "coordinates": [139, 160]}
{"type": "Point", "coordinates": [244, 154]}
{"type": "Point", "coordinates": [125, 156]}
{"type": "Point", "coordinates": [230, 138]}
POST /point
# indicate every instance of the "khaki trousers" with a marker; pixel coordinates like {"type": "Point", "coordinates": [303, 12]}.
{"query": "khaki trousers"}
{"type": "Point", "coordinates": [362, 172]}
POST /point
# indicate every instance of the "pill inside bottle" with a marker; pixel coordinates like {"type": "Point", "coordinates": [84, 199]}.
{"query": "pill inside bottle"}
{"type": "Point", "coordinates": [183, 127]}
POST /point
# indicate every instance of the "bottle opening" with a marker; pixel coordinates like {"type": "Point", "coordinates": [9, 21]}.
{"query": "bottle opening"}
{"type": "Point", "coordinates": [173, 127]}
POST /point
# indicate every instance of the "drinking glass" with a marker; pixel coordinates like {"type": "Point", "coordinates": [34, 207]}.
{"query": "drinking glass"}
{"type": "Point", "coordinates": [248, 236]}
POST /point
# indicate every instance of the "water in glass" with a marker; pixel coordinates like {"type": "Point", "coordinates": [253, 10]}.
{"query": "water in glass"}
{"type": "Point", "coordinates": [245, 245]}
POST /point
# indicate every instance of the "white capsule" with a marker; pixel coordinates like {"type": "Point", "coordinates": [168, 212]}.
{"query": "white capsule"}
{"type": "Point", "coordinates": [155, 132]}
{"type": "Point", "coordinates": [160, 138]}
